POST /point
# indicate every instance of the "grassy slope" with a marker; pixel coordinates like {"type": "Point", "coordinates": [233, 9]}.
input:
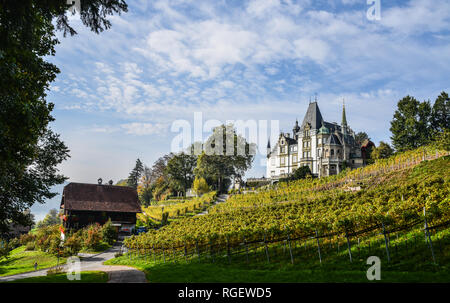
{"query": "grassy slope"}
{"type": "Point", "coordinates": [411, 257]}
{"type": "Point", "coordinates": [410, 262]}
{"type": "Point", "coordinates": [21, 261]}
{"type": "Point", "coordinates": [86, 277]}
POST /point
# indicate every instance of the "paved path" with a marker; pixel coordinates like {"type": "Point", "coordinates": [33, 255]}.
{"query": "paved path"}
{"type": "Point", "coordinates": [220, 199]}
{"type": "Point", "coordinates": [117, 274]}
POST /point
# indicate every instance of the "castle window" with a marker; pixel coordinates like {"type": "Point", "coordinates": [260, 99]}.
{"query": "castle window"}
{"type": "Point", "coordinates": [332, 152]}
{"type": "Point", "coordinates": [282, 160]}
{"type": "Point", "coordinates": [294, 159]}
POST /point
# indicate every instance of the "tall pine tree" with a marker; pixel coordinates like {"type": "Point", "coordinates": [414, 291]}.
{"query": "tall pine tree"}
{"type": "Point", "coordinates": [136, 174]}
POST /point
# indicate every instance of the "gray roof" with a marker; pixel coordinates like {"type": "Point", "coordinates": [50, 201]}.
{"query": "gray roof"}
{"type": "Point", "coordinates": [333, 139]}
{"type": "Point", "coordinates": [313, 116]}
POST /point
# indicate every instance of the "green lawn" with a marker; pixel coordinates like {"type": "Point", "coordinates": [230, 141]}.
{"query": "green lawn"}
{"type": "Point", "coordinates": [101, 248]}
{"type": "Point", "coordinates": [86, 277]}
{"type": "Point", "coordinates": [20, 261]}
{"type": "Point", "coordinates": [410, 262]}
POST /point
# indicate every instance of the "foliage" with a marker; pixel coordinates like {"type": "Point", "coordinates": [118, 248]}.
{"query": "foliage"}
{"type": "Point", "coordinates": [51, 218]}
{"type": "Point", "coordinates": [300, 173]}
{"type": "Point", "coordinates": [361, 137]}
{"type": "Point", "coordinates": [440, 117]}
{"type": "Point", "coordinates": [383, 151]}
{"type": "Point", "coordinates": [30, 151]}
{"type": "Point", "coordinates": [225, 156]}
{"type": "Point", "coordinates": [200, 186]}
{"type": "Point", "coordinates": [5, 249]}
{"type": "Point", "coordinates": [92, 236]}
{"type": "Point", "coordinates": [411, 124]}
{"type": "Point", "coordinates": [48, 239]}
{"type": "Point", "coordinates": [74, 243]}
{"type": "Point", "coordinates": [109, 232]}
{"type": "Point", "coordinates": [305, 205]}
{"type": "Point", "coordinates": [135, 174]}
{"type": "Point", "coordinates": [180, 170]}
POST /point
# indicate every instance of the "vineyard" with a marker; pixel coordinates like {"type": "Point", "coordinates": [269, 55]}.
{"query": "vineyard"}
{"type": "Point", "coordinates": [177, 208]}
{"type": "Point", "coordinates": [363, 209]}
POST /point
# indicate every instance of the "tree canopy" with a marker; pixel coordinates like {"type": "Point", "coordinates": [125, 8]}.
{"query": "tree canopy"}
{"type": "Point", "coordinates": [29, 150]}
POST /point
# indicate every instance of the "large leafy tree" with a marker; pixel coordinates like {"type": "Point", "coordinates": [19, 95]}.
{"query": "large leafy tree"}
{"type": "Point", "coordinates": [225, 156]}
{"type": "Point", "coordinates": [29, 150]}
{"type": "Point", "coordinates": [383, 151]}
{"type": "Point", "coordinates": [180, 169]}
{"type": "Point", "coordinates": [411, 125]}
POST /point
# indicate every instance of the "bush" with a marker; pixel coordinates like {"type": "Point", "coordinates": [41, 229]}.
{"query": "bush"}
{"type": "Point", "coordinates": [30, 246]}
{"type": "Point", "coordinates": [73, 243]}
{"type": "Point", "coordinates": [92, 236]}
{"type": "Point", "coordinates": [109, 233]}
{"type": "Point", "coordinates": [48, 239]}
{"type": "Point", "coordinates": [4, 249]}
{"type": "Point", "coordinates": [24, 239]}
{"type": "Point", "coordinates": [14, 243]}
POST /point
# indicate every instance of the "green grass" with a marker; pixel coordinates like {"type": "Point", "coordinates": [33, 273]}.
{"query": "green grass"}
{"type": "Point", "coordinates": [20, 261]}
{"type": "Point", "coordinates": [86, 277]}
{"type": "Point", "coordinates": [99, 249]}
{"type": "Point", "coordinates": [410, 262]}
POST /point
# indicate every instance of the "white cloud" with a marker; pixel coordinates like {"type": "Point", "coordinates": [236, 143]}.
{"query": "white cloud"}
{"type": "Point", "coordinates": [141, 129]}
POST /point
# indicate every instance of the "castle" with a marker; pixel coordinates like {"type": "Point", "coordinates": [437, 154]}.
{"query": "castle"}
{"type": "Point", "coordinates": [327, 148]}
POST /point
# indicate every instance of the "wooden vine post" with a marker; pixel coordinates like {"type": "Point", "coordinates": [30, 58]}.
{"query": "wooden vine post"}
{"type": "Point", "coordinates": [246, 248]}
{"type": "Point", "coordinates": [197, 248]}
{"type": "Point", "coordinates": [265, 246]}
{"type": "Point", "coordinates": [290, 248]}
{"type": "Point", "coordinates": [318, 247]}
{"type": "Point", "coordinates": [228, 251]}
{"type": "Point", "coordinates": [348, 247]}
{"type": "Point", "coordinates": [427, 234]}
{"type": "Point", "coordinates": [386, 242]}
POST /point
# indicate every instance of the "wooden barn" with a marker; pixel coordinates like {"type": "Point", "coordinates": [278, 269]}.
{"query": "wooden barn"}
{"type": "Point", "coordinates": [83, 204]}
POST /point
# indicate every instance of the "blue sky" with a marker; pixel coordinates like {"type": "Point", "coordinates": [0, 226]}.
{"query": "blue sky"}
{"type": "Point", "coordinates": [119, 92]}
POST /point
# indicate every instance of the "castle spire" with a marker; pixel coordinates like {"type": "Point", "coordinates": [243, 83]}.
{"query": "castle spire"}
{"type": "Point", "coordinates": [344, 118]}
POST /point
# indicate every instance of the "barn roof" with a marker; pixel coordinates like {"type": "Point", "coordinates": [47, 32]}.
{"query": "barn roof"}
{"type": "Point", "coordinates": [94, 197]}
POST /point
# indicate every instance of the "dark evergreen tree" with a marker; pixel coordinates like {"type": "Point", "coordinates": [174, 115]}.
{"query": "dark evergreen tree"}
{"type": "Point", "coordinates": [135, 174]}
{"type": "Point", "coordinates": [440, 116]}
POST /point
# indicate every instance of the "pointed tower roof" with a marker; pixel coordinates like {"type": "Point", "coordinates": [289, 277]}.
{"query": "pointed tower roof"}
{"type": "Point", "coordinates": [344, 117]}
{"type": "Point", "coordinates": [313, 116]}
{"type": "Point", "coordinates": [268, 143]}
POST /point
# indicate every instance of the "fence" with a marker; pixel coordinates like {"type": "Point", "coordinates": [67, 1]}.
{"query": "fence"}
{"type": "Point", "coordinates": [273, 248]}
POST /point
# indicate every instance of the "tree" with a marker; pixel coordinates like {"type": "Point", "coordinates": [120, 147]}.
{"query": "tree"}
{"type": "Point", "coordinates": [29, 150]}
{"type": "Point", "coordinates": [361, 137]}
{"type": "Point", "coordinates": [225, 155]}
{"type": "Point", "coordinates": [200, 186]}
{"type": "Point", "coordinates": [145, 187]}
{"type": "Point", "coordinates": [135, 174]}
{"type": "Point", "coordinates": [180, 170]}
{"type": "Point", "coordinates": [52, 218]}
{"type": "Point", "coordinates": [383, 151]}
{"type": "Point", "coordinates": [410, 125]}
{"type": "Point", "coordinates": [109, 232]}
{"type": "Point", "coordinates": [440, 116]}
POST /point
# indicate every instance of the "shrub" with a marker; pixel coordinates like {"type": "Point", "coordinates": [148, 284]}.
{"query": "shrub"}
{"type": "Point", "coordinates": [30, 246]}
{"type": "Point", "coordinates": [118, 254]}
{"type": "Point", "coordinates": [109, 232]}
{"type": "Point", "coordinates": [73, 243]}
{"type": "Point", "coordinates": [24, 239]}
{"type": "Point", "coordinates": [4, 249]}
{"type": "Point", "coordinates": [48, 239]}
{"type": "Point", "coordinates": [14, 243]}
{"type": "Point", "coordinates": [93, 236]}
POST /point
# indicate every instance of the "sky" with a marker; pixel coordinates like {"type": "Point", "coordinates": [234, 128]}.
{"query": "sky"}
{"type": "Point", "coordinates": [119, 93]}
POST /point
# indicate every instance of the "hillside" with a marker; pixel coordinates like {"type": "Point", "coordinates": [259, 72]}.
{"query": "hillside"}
{"type": "Point", "coordinates": [340, 219]}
